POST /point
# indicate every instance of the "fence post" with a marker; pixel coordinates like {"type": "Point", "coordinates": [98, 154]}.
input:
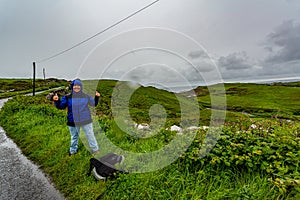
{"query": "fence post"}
{"type": "Point", "coordinates": [33, 84]}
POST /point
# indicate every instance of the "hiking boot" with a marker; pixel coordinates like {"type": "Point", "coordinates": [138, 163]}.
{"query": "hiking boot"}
{"type": "Point", "coordinates": [96, 152]}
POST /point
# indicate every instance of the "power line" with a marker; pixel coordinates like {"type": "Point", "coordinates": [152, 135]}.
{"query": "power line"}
{"type": "Point", "coordinates": [89, 38]}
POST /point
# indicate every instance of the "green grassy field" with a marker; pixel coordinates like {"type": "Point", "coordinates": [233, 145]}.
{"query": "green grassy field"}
{"type": "Point", "coordinates": [260, 100]}
{"type": "Point", "coordinates": [256, 156]}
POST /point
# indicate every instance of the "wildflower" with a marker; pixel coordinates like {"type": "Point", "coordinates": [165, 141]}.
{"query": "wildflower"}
{"type": "Point", "coordinates": [253, 126]}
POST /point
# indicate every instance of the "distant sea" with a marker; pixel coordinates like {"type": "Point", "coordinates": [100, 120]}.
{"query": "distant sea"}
{"type": "Point", "coordinates": [181, 88]}
{"type": "Point", "coordinates": [280, 80]}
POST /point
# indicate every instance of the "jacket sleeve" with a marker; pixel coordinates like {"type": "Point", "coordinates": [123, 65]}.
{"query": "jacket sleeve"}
{"type": "Point", "coordinates": [96, 100]}
{"type": "Point", "coordinates": [61, 104]}
{"type": "Point", "coordinates": [93, 102]}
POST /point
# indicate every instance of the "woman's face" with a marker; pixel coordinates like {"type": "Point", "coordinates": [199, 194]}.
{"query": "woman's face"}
{"type": "Point", "coordinates": [76, 88]}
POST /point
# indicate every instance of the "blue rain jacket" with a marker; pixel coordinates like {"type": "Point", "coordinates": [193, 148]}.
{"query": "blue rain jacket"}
{"type": "Point", "coordinates": [78, 106]}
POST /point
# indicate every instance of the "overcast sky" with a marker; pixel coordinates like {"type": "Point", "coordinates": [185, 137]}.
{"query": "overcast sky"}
{"type": "Point", "coordinates": [192, 39]}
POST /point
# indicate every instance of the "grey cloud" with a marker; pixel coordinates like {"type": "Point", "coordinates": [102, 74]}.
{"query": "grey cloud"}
{"type": "Point", "coordinates": [145, 73]}
{"type": "Point", "coordinates": [285, 69]}
{"type": "Point", "coordinates": [198, 54]}
{"type": "Point", "coordinates": [203, 66]}
{"type": "Point", "coordinates": [235, 61]}
{"type": "Point", "coordinates": [283, 44]}
{"type": "Point", "coordinates": [201, 61]}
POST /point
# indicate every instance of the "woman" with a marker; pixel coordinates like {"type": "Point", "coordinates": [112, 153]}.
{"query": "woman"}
{"type": "Point", "coordinates": [79, 115]}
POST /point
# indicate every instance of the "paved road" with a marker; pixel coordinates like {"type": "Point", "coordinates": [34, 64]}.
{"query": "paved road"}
{"type": "Point", "coordinates": [20, 179]}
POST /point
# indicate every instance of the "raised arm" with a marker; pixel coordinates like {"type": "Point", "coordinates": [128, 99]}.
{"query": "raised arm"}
{"type": "Point", "coordinates": [60, 104]}
{"type": "Point", "coordinates": [94, 102]}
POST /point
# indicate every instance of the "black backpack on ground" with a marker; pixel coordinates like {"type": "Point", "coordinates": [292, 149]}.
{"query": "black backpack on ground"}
{"type": "Point", "coordinates": [105, 166]}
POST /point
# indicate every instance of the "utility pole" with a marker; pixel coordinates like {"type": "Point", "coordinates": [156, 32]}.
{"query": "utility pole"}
{"type": "Point", "coordinates": [33, 84]}
{"type": "Point", "coordinates": [44, 73]}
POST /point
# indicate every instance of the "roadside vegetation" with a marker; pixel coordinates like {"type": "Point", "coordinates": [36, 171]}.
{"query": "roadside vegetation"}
{"type": "Point", "coordinates": [13, 87]}
{"type": "Point", "coordinates": [257, 154]}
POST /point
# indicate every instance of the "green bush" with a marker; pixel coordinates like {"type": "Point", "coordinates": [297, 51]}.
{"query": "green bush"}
{"type": "Point", "coordinates": [272, 146]}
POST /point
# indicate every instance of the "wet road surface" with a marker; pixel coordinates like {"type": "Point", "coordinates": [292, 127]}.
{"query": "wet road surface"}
{"type": "Point", "coordinates": [20, 178]}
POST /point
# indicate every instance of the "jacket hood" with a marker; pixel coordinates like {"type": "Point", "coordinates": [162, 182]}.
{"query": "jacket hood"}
{"type": "Point", "coordinates": [76, 82]}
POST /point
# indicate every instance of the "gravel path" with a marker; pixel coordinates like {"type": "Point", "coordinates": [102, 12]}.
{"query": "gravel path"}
{"type": "Point", "coordinates": [20, 178]}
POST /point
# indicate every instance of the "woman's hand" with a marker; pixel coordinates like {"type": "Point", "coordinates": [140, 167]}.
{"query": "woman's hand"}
{"type": "Point", "coordinates": [97, 94]}
{"type": "Point", "coordinates": [55, 97]}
